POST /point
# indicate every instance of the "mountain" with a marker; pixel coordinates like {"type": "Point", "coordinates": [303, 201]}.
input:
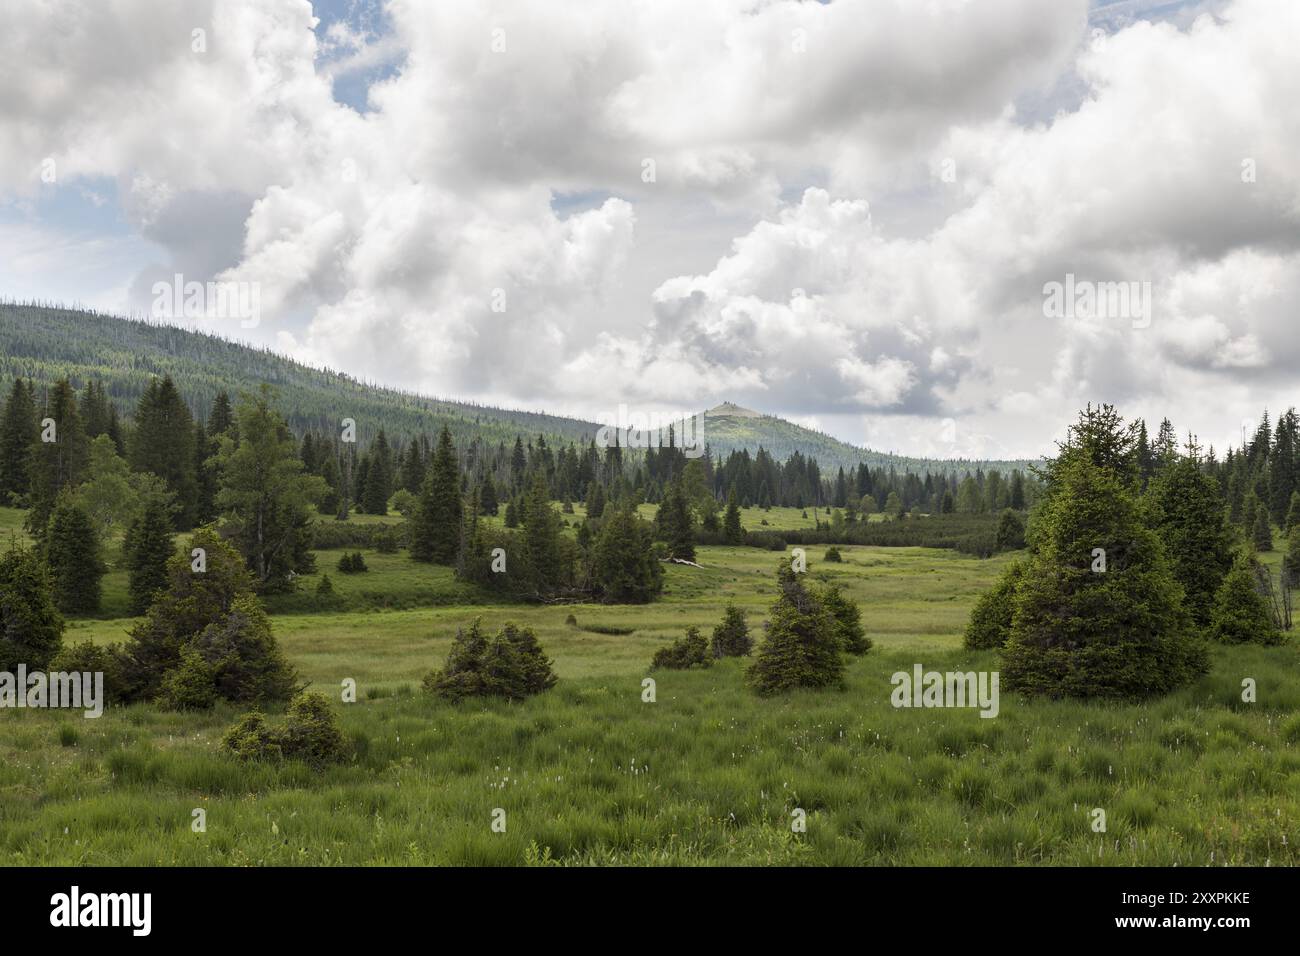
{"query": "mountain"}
{"type": "Point", "coordinates": [728, 426]}
{"type": "Point", "coordinates": [45, 343]}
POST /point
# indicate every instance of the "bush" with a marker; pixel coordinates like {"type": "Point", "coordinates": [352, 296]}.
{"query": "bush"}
{"type": "Point", "coordinates": [731, 638]}
{"type": "Point", "coordinates": [510, 665]}
{"type": "Point", "coordinates": [990, 621]}
{"type": "Point", "coordinates": [89, 657]}
{"type": "Point", "coordinates": [215, 615]}
{"type": "Point", "coordinates": [386, 542]}
{"type": "Point", "coordinates": [310, 733]}
{"type": "Point", "coordinates": [833, 555]}
{"type": "Point", "coordinates": [189, 685]}
{"type": "Point", "coordinates": [352, 563]}
{"type": "Point", "coordinates": [325, 587]}
{"type": "Point", "coordinates": [683, 653]}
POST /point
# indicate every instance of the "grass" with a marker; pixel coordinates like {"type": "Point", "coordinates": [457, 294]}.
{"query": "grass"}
{"type": "Point", "coordinates": [709, 773]}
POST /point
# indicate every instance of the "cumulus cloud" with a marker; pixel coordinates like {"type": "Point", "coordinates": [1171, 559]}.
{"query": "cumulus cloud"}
{"type": "Point", "coordinates": [895, 216]}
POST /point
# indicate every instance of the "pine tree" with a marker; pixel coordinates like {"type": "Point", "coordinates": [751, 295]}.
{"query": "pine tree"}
{"type": "Point", "coordinates": [802, 646]}
{"type": "Point", "coordinates": [18, 433]}
{"type": "Point", "coordinates": [435, 531]}
{"type": "Point", "coordinates": [73, 553]}
{"type": "Point", "coordinates": [147, 550]}
{"type": "Point", "coordinates": [379, 479]}
{"type": "Point", "coordinates": [31, 628]}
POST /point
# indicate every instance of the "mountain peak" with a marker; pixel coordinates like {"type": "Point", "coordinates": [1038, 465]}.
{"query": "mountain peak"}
{"type": "Point", "coordinates": [733, 410]}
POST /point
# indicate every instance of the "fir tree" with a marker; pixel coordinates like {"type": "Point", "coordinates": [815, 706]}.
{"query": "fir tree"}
{"type": "Point", "coordinates": [676, 523]}
{"type": "Point", "coordinates": [847, 618]}
{"type": "Point", "coordinates": [595, 500]}
{"type": "Point", "coordinates": [435, 532]}
{"type": "Point", "coordinates": [731, 528]}
{"type": "Point", "coordinates": [412, 476]}
{"type": "Point", "coordinates": [488, 497]}
{"type": "Point", "coordinates": [1011, 531]}
{"type": "Point", "coordinates": [543, 551]}
{"type": "Point", "coordinates": [1262, 533]}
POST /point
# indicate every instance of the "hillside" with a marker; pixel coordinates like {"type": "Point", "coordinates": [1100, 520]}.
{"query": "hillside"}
{"type": "Point", "coordinates": [43, 344]}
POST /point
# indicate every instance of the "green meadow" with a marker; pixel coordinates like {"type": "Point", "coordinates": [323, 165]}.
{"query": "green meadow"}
{"type": "Point", "coordinates": [708, 773]}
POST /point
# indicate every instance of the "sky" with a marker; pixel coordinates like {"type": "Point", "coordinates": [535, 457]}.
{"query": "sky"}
{"type": "Point", "coordinates": [860, 215]}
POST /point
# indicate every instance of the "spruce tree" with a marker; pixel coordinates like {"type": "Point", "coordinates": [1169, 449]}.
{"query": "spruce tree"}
{"type": "Point", "coordinates": [18, 433]}
{"type": "Point", "coordinates": [1292, 514]}
{"type": "Point", "coordinates": [435, 531]}
{"type": "Point", "coordinates": [543, 549]}
{"type": "Point", "coordinates": [624, 568]}
{"type": "Point", "coordinates": [802, 646]}
{"type": "Point", "coordinates": [488, 497]}
{"type": "Point", "coordinates": [31, 628]}
{"type": "Point", "coordinates": [731, 529]}
{"type": "Point", "coordinates": [1082, 628]}
{"type": "Point", "coordinates": [57, 460]}
{"type": "Point", "coordinates": [147, 551]}
{"type": "Point", "coordinates": [222, 417]}
{"type": "Point", "coordinates": [676, 522]}
{"type": "Point", "coordinates": [163, 444]}
{"type": "Point", "coordinates": [72, 551]}
{"type": "Point", "coordinates": [847, 619]}
{"type": "Point", "coordinates": [1262, 534]}
{"type": "Point", "coordinates": [412, 476]}
{"type": "Point", "coordinates": [1241, 614]}
{"type": "Point", "coordinates": [1011, 531]}
{"type": "Point", "coordinates": [731, 637]}
{"type": "Point", "coordinates": [990, 619]}
{"type": "Point", "coordinates": [1187, 513]}
{"type": "Point", "coordinates": [379, 479]}
{"type": "Point", "coordinates": [596, 500]}
{"type": "Point", "coordinates": [265, 494]}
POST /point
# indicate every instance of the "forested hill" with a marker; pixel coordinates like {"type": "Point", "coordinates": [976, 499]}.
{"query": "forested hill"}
{"type": "Point", "coordinates": [44, 344]}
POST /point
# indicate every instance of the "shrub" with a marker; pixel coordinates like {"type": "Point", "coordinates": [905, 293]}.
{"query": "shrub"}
{"type": "Point", "coordinates": [510, 665]}
{"type": "Point", "coordinates": [213, 614]}
{"type": "Point", "coordinates": [310, 733]}
{"type": "Point", "coordinates": [352, 563]}
{"type": "Point", "coordinates": [325, 587]}
{"type": "Point", "coordinates": [385, 542]}
{"type": "Point", "coordinates": [731, 638]}
{"type": "Point", "coordinates": [90, 657]}
{"type": "Point", "coordinates": [833, 555]}
{"type": "Point", "coordinates": [990, 621]}
{"type": "Point", "coordinates": [189, 685]}
{"type": "Point", "coordinates": [685, 652]}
